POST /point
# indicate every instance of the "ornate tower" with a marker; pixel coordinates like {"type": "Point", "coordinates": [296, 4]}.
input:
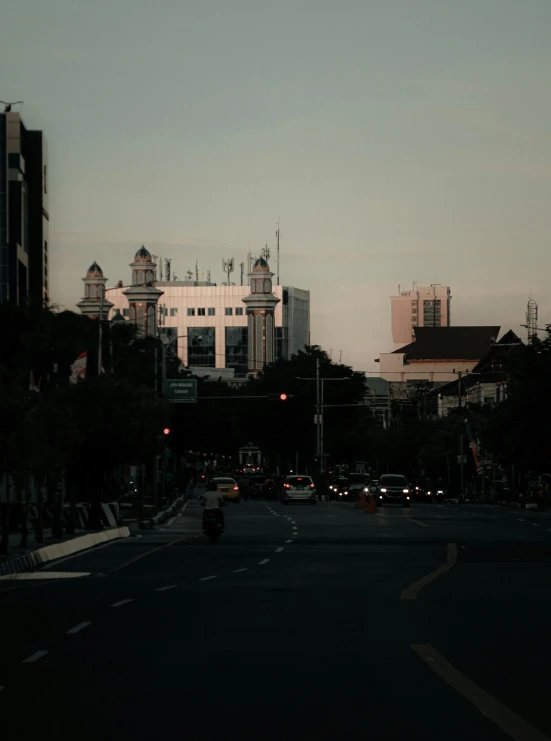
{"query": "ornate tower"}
{"type": "Point", "coordinates": [94, 289]}
{"type": "Point", "coordinates": [260, 304]}
{"type": "Point", "coordinates": [142, 295]}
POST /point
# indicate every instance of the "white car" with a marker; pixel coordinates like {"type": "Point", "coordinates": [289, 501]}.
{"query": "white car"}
{"type": "Point", "coordinates": [299, 489]}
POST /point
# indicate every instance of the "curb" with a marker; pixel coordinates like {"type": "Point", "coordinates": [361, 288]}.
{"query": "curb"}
{"type": "Point", "coordinates": [166, 514]}
{"type": "Point", "coordinates": [34, 559]}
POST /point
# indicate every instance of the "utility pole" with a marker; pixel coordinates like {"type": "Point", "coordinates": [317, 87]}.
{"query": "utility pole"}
{"type": "Point", "coordinates": [318, 414]}
{"type": "Point", "coordinates": [102, 289]}
{"type": "Point", "coordinates": [277, 235]}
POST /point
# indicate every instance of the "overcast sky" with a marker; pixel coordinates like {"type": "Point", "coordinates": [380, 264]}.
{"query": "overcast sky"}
{"type": "Point", "coordinates": [396, 140]}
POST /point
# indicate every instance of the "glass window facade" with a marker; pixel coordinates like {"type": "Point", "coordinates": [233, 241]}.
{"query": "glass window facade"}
{"type": "Point", "coordinates": [237, 349]}
{"type": "Point", "coordinates": [432, 313]}
{"type": "Point", "coordinates": [201, 347]}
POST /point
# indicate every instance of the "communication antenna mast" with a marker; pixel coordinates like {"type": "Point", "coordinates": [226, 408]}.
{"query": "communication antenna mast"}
{"type": "Point", "coordinates": [189, 274]}
{"type": "Point", "coordinates": [167, 268]}
{"type": "Point", "coordinates": [159, 265]}
{"type": "Point", "coordinates": [208, 275]}
{"type": "Point", "coordinates": [197, 271]}
{"type": "Point", "coordinates": [277, 266]}
{"type": "Point", "coordinates": [242, 268]}
{"type": "Point", "coordinates": [266, 252]}
{"type": "Point", "coordinates": [531, 318]}
{"type": "Point", "coordinates": [228, 267]}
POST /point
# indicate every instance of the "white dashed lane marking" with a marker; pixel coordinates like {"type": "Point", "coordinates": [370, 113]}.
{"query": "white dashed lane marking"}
{"type": "Point", "coordinates": [278, 550]}
{"type": "Point", "coordinates": [206, 578]}
{"type": "Point", "coordinates": [288, 541]}
{"type": "Point", "coordinates": [163, 589]}
{"type": "Point", "coordinates": [261, 563]}
{"type": "Point", "coordinates": [79, 627]}
{"type": "Point", "coordinates": [238, 571]}
{"type": "Point", "coordinates": [34, 657]}
{"type": "Point", "coordinates": [520, 519]}
{"type": "Point", "coordinates": [534, 525]}
{"type": "Point", "coordinates": [122, 602]}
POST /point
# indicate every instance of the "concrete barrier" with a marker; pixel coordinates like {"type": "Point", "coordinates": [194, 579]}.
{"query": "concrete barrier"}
{"type": "Point", "coordinates": [35, 559]}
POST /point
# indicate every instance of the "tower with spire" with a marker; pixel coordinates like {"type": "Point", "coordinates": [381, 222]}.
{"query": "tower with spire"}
{"type": "Point", "coordinates": [261, 304]}
{"type": "Point", "coordinates": [142, 295]}
{"type": "Point", "coordinates": [94, 289]}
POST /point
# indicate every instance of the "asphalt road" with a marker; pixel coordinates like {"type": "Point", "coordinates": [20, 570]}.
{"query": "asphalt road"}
{"type": "Point", "coordinates": [302, 622]}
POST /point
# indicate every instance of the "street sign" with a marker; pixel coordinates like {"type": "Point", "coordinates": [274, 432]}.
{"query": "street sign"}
{"type": "Point", "coordinates": [181, 391]}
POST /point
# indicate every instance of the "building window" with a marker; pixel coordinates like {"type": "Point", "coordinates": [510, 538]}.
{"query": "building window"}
{"type": "Point", "coordinates": [228, 311]}
{"type": "Point", "coordinates": [237, 349]}
{"type": "Point", "coordinates": [173, 312]}
{"type": "Point", "coordinates": [45, 246]}
{"type": "Point", "coordinates": [238, 311]}
{"type": "Point", "coordinates": [191, 312]}
{"type": "Point", "coordinates": [200, 312]}
{"type": "Point", "coordinates": [211, 311]}
{"type": "Point", "coordinates": [267, 286]}
{"type": "Point", "coordinates": [201, 347]}
{"type": "Point", "coordinates": [125, 312]}
{"type": "Point", "coordinates": [432, 313]}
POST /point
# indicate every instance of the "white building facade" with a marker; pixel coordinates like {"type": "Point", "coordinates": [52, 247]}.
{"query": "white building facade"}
{"type": "Point", "coordinates": [209, 323]}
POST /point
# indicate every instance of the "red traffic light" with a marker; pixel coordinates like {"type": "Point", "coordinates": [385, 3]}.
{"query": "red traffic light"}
{"type": "Point", "coordinates": [283, 397]}
{"type": "Point", "coordinates": [166, 431]}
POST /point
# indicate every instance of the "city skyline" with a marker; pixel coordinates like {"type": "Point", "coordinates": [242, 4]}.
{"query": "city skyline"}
{"type": "Point", "coordinates": [393, 143]}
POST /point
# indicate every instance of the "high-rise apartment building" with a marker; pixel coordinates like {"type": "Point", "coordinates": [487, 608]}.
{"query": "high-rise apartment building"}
{"type": "Point", "coordinates": [23, 213]}
{"type": "Point", "coordinates": [422, 306]}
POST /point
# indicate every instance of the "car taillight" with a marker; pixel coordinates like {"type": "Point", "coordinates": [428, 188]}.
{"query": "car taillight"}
{"type": "Point", "coordinates": [287, 486]}
{"type": "Point", "coordinates": [312, 486]}
{"type": "Point", "coordinates": [236, 488]}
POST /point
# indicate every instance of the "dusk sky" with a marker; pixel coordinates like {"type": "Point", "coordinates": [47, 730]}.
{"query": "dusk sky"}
{"type": "Point", "coordinates": [396, 140]}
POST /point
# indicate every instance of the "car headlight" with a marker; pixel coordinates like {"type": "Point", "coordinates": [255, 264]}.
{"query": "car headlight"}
{"type": "Point", "coordinates": [406, 491]}
{"type": "Point", "coordinates": [340, 493]}
{"type": "Point", "coordinates": [384, 491]}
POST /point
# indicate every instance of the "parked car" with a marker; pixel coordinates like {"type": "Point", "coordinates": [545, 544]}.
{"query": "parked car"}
{"type": "Point", "coordinates": [392, 488]}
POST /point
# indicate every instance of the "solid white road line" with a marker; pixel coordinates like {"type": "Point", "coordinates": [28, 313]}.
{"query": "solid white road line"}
{"type": "Point", "coordinates": [122, 602]}
{"type": "Point", "coordinates": [411, 592]}
{"type": "Point", "coordinates": [163, 589]}
{"type": "Point", "coordinates": [417, 522]}
{"type": "Point", "coordinates": [509, 722]}
{"type": "Point", "coordinates": [238, 571]}
{"type": "Point", "coordinates": [289, 541]}
{"type": "Point", "coordinates": [79, 627]}
{"type": "Point", "coordinates": [34, 657]}
{"type": "Point", "coordinates": [278, 550]}
{"type": "Point", "coordinates": [260, 563]}
{"type": "Point", "coordinates": [206, 578]}
{"type": "Point", "coordinates": [39, 575]}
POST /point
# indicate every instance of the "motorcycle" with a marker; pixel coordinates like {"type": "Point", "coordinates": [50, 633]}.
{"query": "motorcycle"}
{"type": "Point", "coordinates": [212, 526]}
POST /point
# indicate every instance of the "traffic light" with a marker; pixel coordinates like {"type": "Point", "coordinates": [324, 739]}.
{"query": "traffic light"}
{"type": "Point", "coordinates": [166, 431]}
{"type": "Point", "coordinates": [279, 397]}
{"type": "Point", "coordinates": [283, 397]}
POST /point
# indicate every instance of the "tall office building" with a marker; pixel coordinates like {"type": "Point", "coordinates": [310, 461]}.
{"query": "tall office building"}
{"type": "Point", "coordinates": [23, 213]}
{"type": "Point", "coordinates": [423, 306]}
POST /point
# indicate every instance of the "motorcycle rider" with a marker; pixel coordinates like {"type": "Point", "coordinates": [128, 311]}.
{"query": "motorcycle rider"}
{"type": "Point", "coordinates": [213, 501]}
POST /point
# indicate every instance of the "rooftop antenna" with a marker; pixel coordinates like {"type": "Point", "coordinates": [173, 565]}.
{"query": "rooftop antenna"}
{"type": "Point", "coordinates": [167, 268]}
{"type": "Point", "coordinates": [277, 267]}
{"type": "Point", "coordinates": [208, 275]}
{"type": "Point", "coordinates": [242, 268]}
{"type": "Point", "coordinates": [189, 274]}
{"type": "Point", "coordinates": [197, 271]}
{"type": "Point", "coordinates": [266, 252]}
{"type": "Point", "coordinates": [531, 317]}
{"type": "Point", "coordinates": [159, 265]}
{"type": "Point", "coordinates": [7, 106]}
{"type": "Point", "coordinates": [228, 267]}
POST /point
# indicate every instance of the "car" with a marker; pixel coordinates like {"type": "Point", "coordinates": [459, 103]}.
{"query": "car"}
{"type": "Point", "coordinates": [299, 489]}
{"type": "Point", "coordinates": [392, 488]}
{"type": "Point", "coordinates": [357, 484]}
{"type": "Point", "coordinates": [227, 488]}
{"type": "Point", "coordinates": [338, 489]}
